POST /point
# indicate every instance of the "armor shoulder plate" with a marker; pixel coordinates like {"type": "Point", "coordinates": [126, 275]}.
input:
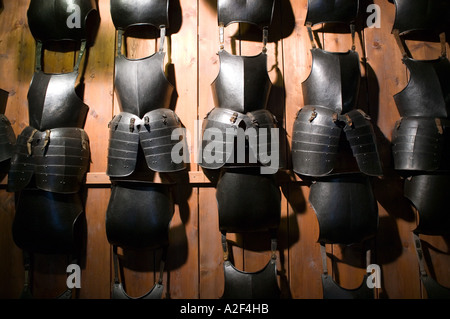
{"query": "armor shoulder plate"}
{"type": "Point", "coordinates": [326, 11]}
{"type": "Point", "coordinates": [53, 20]}
{"type": "Point", "coordinates": [126, 13]}
{"type": "Point", "coordinates": [258, 12]}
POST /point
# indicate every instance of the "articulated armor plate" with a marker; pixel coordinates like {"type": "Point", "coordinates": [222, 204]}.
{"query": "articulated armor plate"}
{"type": "Point", "coordinates": [141, 86]}
{"type": "Point", "coordinates": [49, 19]}
{"type": "Point", "coordinates": [126, 13]}
{"type": "Point", "coordinates": [47, 222]}
{"type": "Point", "coordinates": [258, 12]}
{"type": "Point", "coordinates": [220, 138]}
{"type": "Point", "coordinates": [57, 158]}
{"type": "Point", "coordinates": [262, 284]}
{"type": "Point", "coordinates": [330, 96]}
{"type": "Point", "coordinates": [429, 194]}
{"type": "Point", "coordinates": [255, 209]}
{"type": "Point", "coordinates": [345, 207]}
{"type": "Point", "coordinates": [53, 102]}
{"type": "Point", "coordinates": [421, 15]}
{"type": "Point", "coordinates": [326, 11]}
{"type": "Point", "coordinates": [153, 134]}
{"type": "Point", "coordinates": [138, 216]}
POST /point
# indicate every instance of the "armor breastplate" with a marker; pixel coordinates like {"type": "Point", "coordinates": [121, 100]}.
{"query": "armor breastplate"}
{"type": "Point", "coordinates": [251, 285]}
{"type": "Point", "coordinates": [326, 11]}
{"type": "Point", "coordinates": [345, 207]}
{"type": "Point", "coordinates": [421, 15]}
{"type": "Point", "coordinates": [243, 84]}
{"type": "Point", "coordinates": [57, 158]}
{"type": "Point", "coordinates": [428, 91]}
{"type": "Point", "coordinates": [258, 12]}
{"type": "Point", "coordinates": [138, 216]}
{"type": "Point", "coordinates": [53, 103]}
{"type": "Point", "coordinates": [47, 222]}
{"type": "Point", "coordinates": [141, 85]}
{"type": "Point", "coordinates": [334, 81]}
{"type": "Point", "coordinates": [126, 13]}
{"type": "Point", "coordinates": [52, 19]}
{"type": "Point", "coordinates": [256, 209]}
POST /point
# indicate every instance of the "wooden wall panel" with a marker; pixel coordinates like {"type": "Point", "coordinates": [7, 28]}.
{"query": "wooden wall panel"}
{"type": "Point", "coordinates": [195, 258]}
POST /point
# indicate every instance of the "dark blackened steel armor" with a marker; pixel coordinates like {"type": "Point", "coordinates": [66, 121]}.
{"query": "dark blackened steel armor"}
{"type": "Point", "coordinates": [7, 136]}
{"type": "Point", "coordinates": [144, 93]}
{"type": "Point", "coordinates": [421, 15]}
{"type": "Point", "coordinates": [258, 12]}
{"type": "Point", "coordinates": [345, 207]}
{"type": "Point", "coordinates": [48, 222]}
{"type": "Point", "coordinates": [421, 138]}
{"type": "Point", "coordinates": [126, 13]}
{"type": "Point", "coordinates": [142, 222]}
{"type": "Point", "coordinates": [51, 20]}
{"type": "Point", "coordinates": [330, 96]}
{"type": "Point", "coordinates": [326, 11]}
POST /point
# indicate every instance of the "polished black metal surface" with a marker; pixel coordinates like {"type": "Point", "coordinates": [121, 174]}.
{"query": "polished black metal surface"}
{"type": "Point", "coordinates": [141, 85]}
{"type": "Point", "coordinates": [332, 11]}
{"type": "Point", "coordinates": [127, 13]}
{"type": "Point", "coordinates": [53, 102]}
{"type": "Point", "coordinates": [345, 207]}
{"type": "Point", "coordinates": [138, 215]}
{"type": "Point", "coordinates": [54, 20]}
{"type": "Point", "coordinates": [258, 12]}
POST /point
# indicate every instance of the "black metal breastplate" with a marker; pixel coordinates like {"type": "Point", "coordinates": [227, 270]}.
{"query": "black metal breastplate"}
{"type": "Point", "coordinates": [127, 13]}
{"type": "Point", "coordinates": [243, 84]}
{"type": "Point", "coordinates": [334, 81]}
{"type": "Point", "coordinates": [258, 12]}
{"type": "Point", "coordinates": [428, 91]}
{"type": "Point", "coordinates": [141, 85]}
{"type": "Point", "coordinates": [53, 103]}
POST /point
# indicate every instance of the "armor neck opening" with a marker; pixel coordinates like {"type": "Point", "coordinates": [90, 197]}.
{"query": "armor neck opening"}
{"type": "Point", "coordinates": [121, 42]}
{"type": "Point", "coordinates": [313, 39]}
{"type": "Point", "coordinates": [406, 53]}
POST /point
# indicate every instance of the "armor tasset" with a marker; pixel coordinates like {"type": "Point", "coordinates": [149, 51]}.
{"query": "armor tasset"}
{"type": "Point", "coordinates": [420, 138]}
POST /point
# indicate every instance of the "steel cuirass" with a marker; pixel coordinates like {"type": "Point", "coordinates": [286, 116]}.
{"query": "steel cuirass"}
{"type": "Point", "coordinates": [421, 138]}
{"type": "Point", "coordinates": [126, 13]}
{"type": "Point", "coordinates": [258, 12]}
{"type": "Point", "coordinates": [330, 95]}
{"type": "Point", "coordinates": [7, 136]}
